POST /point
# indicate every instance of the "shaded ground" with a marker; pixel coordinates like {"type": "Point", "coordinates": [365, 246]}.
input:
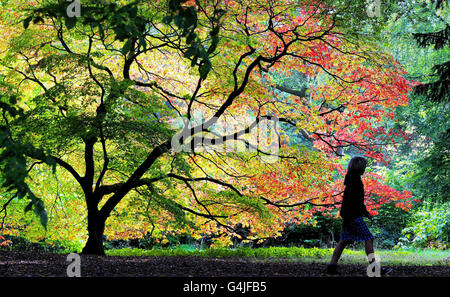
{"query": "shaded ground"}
{"type": "Point", "coordinates": [24, 264]}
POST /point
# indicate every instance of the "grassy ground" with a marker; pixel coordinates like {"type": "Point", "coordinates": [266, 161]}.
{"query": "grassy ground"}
{"type": "Point", "coordinates": [422, 257]}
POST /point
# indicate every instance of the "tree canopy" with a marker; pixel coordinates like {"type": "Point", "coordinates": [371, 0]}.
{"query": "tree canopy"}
{"type": "Point", "coordinates": [103, 97]}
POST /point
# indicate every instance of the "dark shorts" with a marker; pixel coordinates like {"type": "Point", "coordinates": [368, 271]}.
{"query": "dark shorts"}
{"type": "Point", "coordinates": [355, 230]}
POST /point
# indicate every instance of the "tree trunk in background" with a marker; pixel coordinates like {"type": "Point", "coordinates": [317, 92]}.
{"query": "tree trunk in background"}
{"type": "Point", "coordinates": [96, 227]}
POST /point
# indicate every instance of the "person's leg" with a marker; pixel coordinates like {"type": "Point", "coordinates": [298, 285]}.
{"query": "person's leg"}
{"type": "Point", "coordinates": [369, 249]}
{"type": "Point", "coordinates": [338, 251]}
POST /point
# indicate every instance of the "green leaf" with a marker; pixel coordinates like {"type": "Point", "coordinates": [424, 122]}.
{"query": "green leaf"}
{"type": "Point", "coordinates": [29, 207]}
{"type": "Point", "coordinates": [101, 31]}
{"type": "Point", "coordinates": [133, 11]}
{"type": "Point", "coordinates": [194, 61]}
{"type": "Point", "coordinates": [71, 22]}
{"type": "Point", "coordinates": [13, 99]}
{"type": "Point", "coordinates": [204, 69]}
{"type": "Point", "coordinates": [127, 46]}
{"type": "Point", "coordinates": [191, 51]}
{"type": "Point", "coordinates": [39, 209]}
{"type": "Point", "coordinates": [44, 219]}
{"type": "Point", "coordinates": [167, 19]}
{"type": "Point", "coordinates": [142, 43]}
{"type": "Point", "coordinates": [38, 19]}
{"type": "Point", "coordinates": [26, 22]}
{"type": "Point", "coordinates": [190, 38]}
{"type": "Point", "coordinates": [178, 20]}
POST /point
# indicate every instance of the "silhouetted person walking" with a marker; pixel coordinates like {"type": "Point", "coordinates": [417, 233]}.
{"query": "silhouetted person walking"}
{"type": "Point", "coordinates": [352, 212]}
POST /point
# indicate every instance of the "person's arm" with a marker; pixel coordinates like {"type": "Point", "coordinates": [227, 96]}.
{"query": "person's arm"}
{"type": "Point", "coordinates": [364, 211]}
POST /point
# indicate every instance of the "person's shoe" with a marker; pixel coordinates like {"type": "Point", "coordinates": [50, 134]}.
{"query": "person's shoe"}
{"type": "Point", "coordinates": [332, 269]}
{"type": "Point", "coordinates": [385, 270]}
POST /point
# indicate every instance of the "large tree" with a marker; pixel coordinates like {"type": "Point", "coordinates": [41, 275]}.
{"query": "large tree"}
{"type": "Point", "coordinates": [99, 96]}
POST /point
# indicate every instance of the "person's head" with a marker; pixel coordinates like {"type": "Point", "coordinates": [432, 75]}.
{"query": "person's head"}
{"type": "Point", "coordinates": [357, 165]}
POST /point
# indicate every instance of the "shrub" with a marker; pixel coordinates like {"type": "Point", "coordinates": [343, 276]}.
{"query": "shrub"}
{"type": "Point", "coordinates": [18, 243]}
{"type": "Point", "coordinates": [429, 227]}
{"type": "Point", "coordinates": [387, 226]}
{"type": "Point", "coordinates": [324, 233]}
{"type": "Point", "coordinates": [4, 242]}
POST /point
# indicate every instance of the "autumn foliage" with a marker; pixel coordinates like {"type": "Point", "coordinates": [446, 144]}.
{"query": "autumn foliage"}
{"type": "Point", "coordinates": [231, 62]}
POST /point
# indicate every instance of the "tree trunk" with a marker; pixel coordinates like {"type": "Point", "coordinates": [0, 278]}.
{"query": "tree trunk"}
{"type": "Point", "coordinates": [96, 227]}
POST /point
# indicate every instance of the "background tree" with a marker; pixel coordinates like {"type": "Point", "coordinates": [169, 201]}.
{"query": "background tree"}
{"type": "Point", "coordinates": [438, 89]}
{"type": "Point", "coordinates": [422, 158]}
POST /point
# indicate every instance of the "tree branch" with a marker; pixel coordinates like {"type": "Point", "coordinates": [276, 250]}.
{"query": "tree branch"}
{"type": "Point", "coordinates": [137, 174]}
